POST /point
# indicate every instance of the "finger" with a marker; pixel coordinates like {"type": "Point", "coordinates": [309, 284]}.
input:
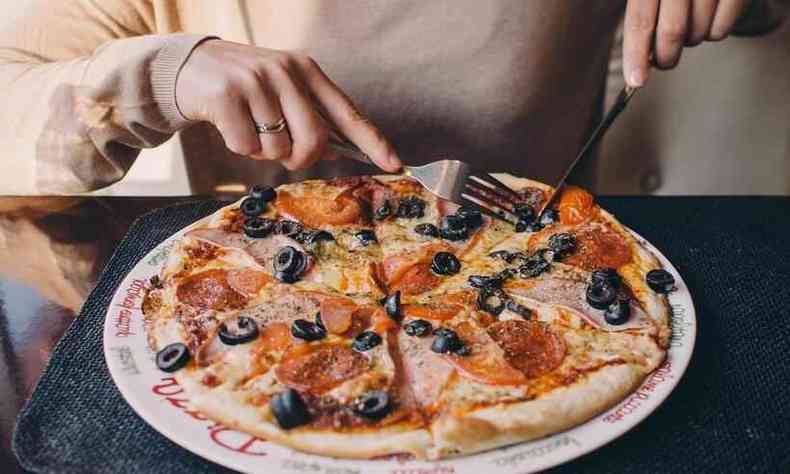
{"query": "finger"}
{"type": "Point", "coordinates": [234, 124]}
{"type": "Point", "coordinates": [265, 109]}
{"type": "Point", "coordinates": [702, 14]}
{"type": "Point", "coordinates": [727, 13]}
{"type": "Point", "coordinates": [344, 114]}
{"type": "Point", "coordinates": [673, 21]}
{"type": "Point", "coordinates": [639, 28]}
{"type": "Point", "coordinates": [308, 131]}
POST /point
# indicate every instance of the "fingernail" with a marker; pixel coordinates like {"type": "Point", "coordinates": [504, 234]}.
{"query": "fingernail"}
{"type": "Point", "coordinates": [637, 77]}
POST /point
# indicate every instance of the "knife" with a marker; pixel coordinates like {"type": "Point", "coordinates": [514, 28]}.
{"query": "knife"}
{"type": "Point", "coordinates": [618, 106]}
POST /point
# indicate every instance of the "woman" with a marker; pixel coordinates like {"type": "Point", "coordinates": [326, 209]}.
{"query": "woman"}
{"type": "Point", "coordinates": [510, 84]}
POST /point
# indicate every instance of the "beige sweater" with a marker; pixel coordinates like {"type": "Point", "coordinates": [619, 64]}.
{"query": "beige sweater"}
{"type": "Point", "coordinates": [509, 84]}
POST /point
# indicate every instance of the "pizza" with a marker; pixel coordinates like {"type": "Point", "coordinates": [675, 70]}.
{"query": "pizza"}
{"type": "Point", "coordinates": [363, 317]}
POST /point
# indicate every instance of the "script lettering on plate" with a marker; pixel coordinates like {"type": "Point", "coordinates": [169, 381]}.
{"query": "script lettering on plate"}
{"type": "Point", "coordinates": [637, 399]}
{"type": "Point", "coordinates": [126, 358]}
{"type": "Point", "coordinates": [130, 302]}
{"type": "Point", "coordinates": [523, 455]}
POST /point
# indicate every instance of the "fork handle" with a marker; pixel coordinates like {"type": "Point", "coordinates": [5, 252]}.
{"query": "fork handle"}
{"type": "Point", "coordinates": [345, 148]}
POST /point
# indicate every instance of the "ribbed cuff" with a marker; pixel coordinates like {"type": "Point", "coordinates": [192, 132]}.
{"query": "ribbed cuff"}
{"type": "Point", "coordinates": [164, 73]}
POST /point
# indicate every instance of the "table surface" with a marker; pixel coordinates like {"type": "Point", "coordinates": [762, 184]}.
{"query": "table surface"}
{"type": "Point", "coordinates": [51, 253]}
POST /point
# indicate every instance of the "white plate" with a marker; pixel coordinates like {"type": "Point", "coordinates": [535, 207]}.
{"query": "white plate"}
{"type": "Point", "coordinates": [159, 400]}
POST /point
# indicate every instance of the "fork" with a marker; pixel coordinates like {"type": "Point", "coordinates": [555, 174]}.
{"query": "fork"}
{"type": "Point", "coordinates": [452, 180]}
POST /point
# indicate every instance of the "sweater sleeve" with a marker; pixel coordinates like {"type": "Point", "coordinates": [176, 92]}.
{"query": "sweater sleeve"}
{"type": "Point", "coordinates": [86, 85]}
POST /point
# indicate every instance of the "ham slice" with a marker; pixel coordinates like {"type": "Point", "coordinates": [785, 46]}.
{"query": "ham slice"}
{"type": "Point", "coordinates": [571, 295]}
{"type": "Point", "coordinates": [424, 371]}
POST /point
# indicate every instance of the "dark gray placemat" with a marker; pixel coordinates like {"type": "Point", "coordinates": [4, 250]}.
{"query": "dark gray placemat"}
{"type": "Point", "coordinates": [729, 414]}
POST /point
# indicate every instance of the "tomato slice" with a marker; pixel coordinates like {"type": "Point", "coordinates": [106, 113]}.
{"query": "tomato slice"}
{"type": "Point", "coordinates": [336, 314]}
{"type": "Point", "coordinates": [439, 312]}
{"type": "Point", "coordinates": [317, 211]}
{"type": "Point", "coordinates": [575, 206]}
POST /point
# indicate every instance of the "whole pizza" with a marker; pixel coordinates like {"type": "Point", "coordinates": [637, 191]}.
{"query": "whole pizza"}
{"type": "Point", "coordinates": [364, 317]}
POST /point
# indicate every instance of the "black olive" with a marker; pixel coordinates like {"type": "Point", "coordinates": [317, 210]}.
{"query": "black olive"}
{"type": "Point", "coordinates": [446, 341]}
{"type": "Point", "coordinates": [319, 322]}
{"type": "Point", "coordinates": [481, 281]}
{"type": "Point", "coordinates": [445, 263]}
{"type": "Point", "coordinates": [492, 300]}
{"type": "Point", "coordinates": [366, 341]}
{"type": "Point", "coordinates": [410, 207]}
{"type": "Point", "coordinates": [661, 281]}
{"type": "Point", "coordinates": [264, 193]}
{"type": "Point", "coordinates": [252, 207]}
{"type": "Point", "coordinates": [238, 330]}
{"type": "Point", "coordinates": [288, 260]}
{"type": "Point", "coordinates": [392, 305]}
{"type": "Point", "coordinates": [618, 312]}
{"type": "Point", "coordinates": [462, 350]}
{"type": "Point", "coordinates": [289, 409]}
{"type": "Point", "coordinates": [519, 309]}
{"type": "Point", "coordinates": [258, 227]}
{"type": "Point", "coordinates": [453, 228]}
{"type": "Point", "coordinates": [307, 330]}
{"type": "Point", "coordinates": [156, 282]}
{"type": "Point", "coordinates": [172, 357]}
{"type": "Point", "coordinates": [549, 216]}
{"type": "Point", "coordinates": [524, 212]}
{"type": "Point", "coordinates": [440, 331]}
{"type": "Point", "coordinates": [374, 405]}
{"type": "Point", "coordinates": [608, 275]}
{"type": "Point", "coordinates": [366, 236]}
{"type": "Point", "coordinates": [427, 229]}
{"type": "Point", "coordinates": [314, 236]}
{"type": "Point", "coordinates": [533, 266]}
{"type": "Point", "coordinates": [562, 244]}
{"type": "Point", "coordinates": [286, 277]}
{"type": "Point", "coordinates": [383, 212]}
{"type": "Point", "coordinates": [503, 255]}
{"type": "Point", "coordinates": [418, 328]}
{"type": "Point", "coordinates": [471, 216]}
{"type": "Point", "coordinates": [601, 295]}
{"type": "Point", "coordinates": [288, 228]}
{"type": "Point", "coordinates": [504, 274]}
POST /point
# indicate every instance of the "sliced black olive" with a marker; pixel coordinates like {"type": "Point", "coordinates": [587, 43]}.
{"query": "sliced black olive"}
{"type": "Point", "coordinates": [471, 216]}
{"type": "Point", "coordinates": [252, 207]}
{"type": "Point", "coordinates": [618, 312]}
{"type": "Point", "coordinates": [446, 341]}
{"type": "Point", "coordinates": [503, 275]}
{"type": "Point", "coordinates": [562, 244]}
{"type": "Point", "coordinates": [445, 263]}
{"type": "Point", "coordinates": [492, 300]}
{"type": "Point", "coordinates": [427, 229]}
{"type": "Point", "coordinates": [383, 212]}
{"type": "Point", "coordinates": [289, 409]}
{"type": "Point", "coordinates": [524, 212]}
{"type": "Point", "coordinates": [264, 193]}
{"type": "Point", "coordinates": [608, 275]}
{"type": "Point", "coordinates": [288, 228]}
{"type": "Point", "coordinates": [319, 322]}
{"type": "Point", "coordinates": [601, 295]}
{"type": "Point", "coordinates": [366, 237]}
{"type": "Point", "coordinates": [238, 330]}
{"type": "Point", "coordinates": [453, 228]}
{"type": "Point", "coordinates": [549, 216]}
{"type": "Point", "coordinates": [314, 236]}
{"type": "Point", "coordinates": [258, 227]}
{"type": "Point", "coordinates": [503, 255]}
{"type": "Point", "coordinates": [288, 260]}
{"type": "Point", "coordinates": [527, 226]}
{"type": "Point", "coordinates": [286, 277]}
{"type": "Point", "coordinates": [481, 281]}
{"type": "Point", "coordinates": [172, 357]}
{"type": "Point", "coordinates": [392, 305]}
{"type": "Point", "coordinates": [661, 281]}
{"type": "Point", "coordinates": [410, 207]}
{"type": "Point", "coordinates": [374, 405]}
{"type": "Point", "coordinates": [462, 350]}
{"type": "Point", "coordinates": [156, 282]}
{"type": "Point", "coordinates": [307, 330]}
{"type": "Point", "coordinates": [533, 266]}
{"type": "Point", "coordinates": [519, 309]}
{"type": "Point", "coordinates": [366, 341]}
{"type": "Point", "coordinates": [418, 328]}
{"type": "Point", "coordinates": [440, 331]}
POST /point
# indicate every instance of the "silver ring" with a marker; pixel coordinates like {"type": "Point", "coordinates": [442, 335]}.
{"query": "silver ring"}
{"type": "Point", "coordinates": [276, 127]}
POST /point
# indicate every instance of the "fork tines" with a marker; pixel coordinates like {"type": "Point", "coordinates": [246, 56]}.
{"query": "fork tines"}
{"type": "Point", "coordinates": [490, 196]}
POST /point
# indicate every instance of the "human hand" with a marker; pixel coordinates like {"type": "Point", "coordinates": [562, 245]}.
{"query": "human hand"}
{"type": "Point", "coordinates": [665, 27]}
{"type": "Point", "coordinates": [234, 86]}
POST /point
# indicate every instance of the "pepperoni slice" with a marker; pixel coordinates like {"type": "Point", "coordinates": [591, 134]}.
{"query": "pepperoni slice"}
{"type": "Point", "coordinates": [599, 248]}
{"type": "Point", "coordinates": [439, 312]}
{"type": "Point", "coordinates": [321, 369]}
{"type": "Point", "coordinates": [276, 337]}
{"type": "Point", "coordinates": [210, 290]}
{"type": "Point", "coordinates": [530, 346]}
{"type": "Point", "coordinates": [575, 205]}
{"type": "Point", "coordinates": [318, 211]}
{"type": "Point", "coordinates": [417, 279]}
{"type": "Point", "coordinates": [486, 363]}
{"type": "Point", "coordinates": [247, 281]}
{"type": "Point", "coordinates": [336, 314]}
